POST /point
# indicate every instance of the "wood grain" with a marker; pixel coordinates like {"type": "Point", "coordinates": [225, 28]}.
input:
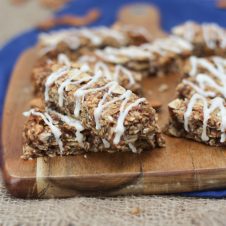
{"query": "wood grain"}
{"type": "Point", "coordinates": [182, 166]}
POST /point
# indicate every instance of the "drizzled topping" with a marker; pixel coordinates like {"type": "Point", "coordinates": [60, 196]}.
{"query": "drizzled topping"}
{"type": "Point", "coordinates": [213, 106]}
{"type": "Point", "coordinates": [167, 45]}
{"type": "Point", "coordinates": [111, 74]}
{"type": "Point", "coordinates": [73, 123]}
{"type": "Point", "coordinates": [211, 101]}
{"type": "Point", "coordinates": [49, 41]}
{"type": "Point", "coordinates": [103, 103]}
{"type": "Point", "coordinates": [54, 129]}
{"type": "Point", "coordinates": [72, 38]}
{"type": "Point", "coordinates": [48, 121]}
{"type": "Point", "coordinates": [113, 55]}
{"type": "Point", "coordinates": [214, 76]}
{"type": "Point", "coordinates": [52, 78]}
{"type": "Point", "coordinates": [145, 51]}
{"type": "Point", "coordinates": [63, 59]}
{"type": "Point", "coordinates": [211, 33]}
{"type": "Point", "coordinates": [111, 87]}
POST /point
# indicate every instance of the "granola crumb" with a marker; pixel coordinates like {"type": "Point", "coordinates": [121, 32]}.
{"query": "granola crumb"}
{"type": "Point", "coordinates": [135, 211]}
{"type": "Point", "coordinates": [155, 104]}
{"type": "Point", "coordinates": [163, 87]}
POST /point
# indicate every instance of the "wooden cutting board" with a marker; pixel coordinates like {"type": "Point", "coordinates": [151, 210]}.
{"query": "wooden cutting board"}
{"type": "Point", "coordinates": [182, 166]}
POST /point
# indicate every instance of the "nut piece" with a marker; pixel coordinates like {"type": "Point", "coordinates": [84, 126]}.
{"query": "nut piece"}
{"type": "Point", "coordinates": [156, 104]}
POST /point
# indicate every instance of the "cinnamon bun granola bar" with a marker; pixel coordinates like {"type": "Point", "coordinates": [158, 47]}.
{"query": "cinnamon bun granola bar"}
{"type": "Point", "coordinates": [206, 76]}
{"type": "Point", "coordinates": [114, 116]}
{"type": "Point", "coordinates": [200, 111]}
{"type": "Point", "coordinates": [76, 42]}
{"type": "Point", "coordinates": [159, 57]}
{"type": "Point", "coordinates": [199, 118]}
{"type": "Point", "coordinates": [126, 78]}
{"type": "Point", "coordinates": [207, 38]}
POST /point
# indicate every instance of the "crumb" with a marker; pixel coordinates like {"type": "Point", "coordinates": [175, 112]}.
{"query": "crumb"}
{"type": "Point", "coordinates": [85, 156]}
{"type": "Point", "coordinates": [135, 211]}
{"type": "Point", "coordinates": [163, 87]}
{"type": "Point", "coordinates": [155, 104]}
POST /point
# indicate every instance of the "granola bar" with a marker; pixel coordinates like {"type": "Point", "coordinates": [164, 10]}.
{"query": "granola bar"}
{"type": "Point", "coordinates": [207, 38]}
{"type": "Point", "coordinates": [126, 78]}
{"type": "Point", "coordinates": [200, 119]}
{"type": "Point", "coordinates": [205, 76]}
{"type": "Point", "coordinates": [104, 107]}
{"type": "Point", "coordinates": [76, 42]}
{"type": "Point", "coordinates": [49, 133]}
{"type": "Point", "coordinates": [159, 57]}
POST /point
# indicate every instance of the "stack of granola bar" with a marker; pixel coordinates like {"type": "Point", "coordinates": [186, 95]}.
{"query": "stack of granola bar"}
{"type": "Point", "coordinates": [89, 84]}
{"type": "Point", "coordinates": [162, 56]}
{"type": "Point", "coordinates": [199, 112]}
{"type": "Point", "coordinates": [208, 38]}
{"type": "Point", "coordinates": [89, 105]}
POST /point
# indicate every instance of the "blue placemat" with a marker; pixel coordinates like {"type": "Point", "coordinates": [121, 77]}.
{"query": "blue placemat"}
{"type": "Point", "coordinates": [173, 12]}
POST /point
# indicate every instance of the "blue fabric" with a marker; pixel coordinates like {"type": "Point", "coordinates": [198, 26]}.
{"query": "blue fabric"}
{"type": "Point", "coordinates": [173, 12]}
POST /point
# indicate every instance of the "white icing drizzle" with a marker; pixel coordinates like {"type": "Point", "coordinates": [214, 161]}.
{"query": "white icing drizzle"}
{"type": "Point", "coordinates": [85, 59]}
{"type": "Point", "coordinates": [95, 39]}
{"type": "Point", "coordinates": [52, 78]}
{"type": "Point", "coordinates": [206, 31]}
{"type": "Point", "coordinates": [145, 51]}
{"type": "Point", "coordinates": [106, 143]}
{"type": "Point", "coordinates": [170, 44]}
{"type": "Point", "coordinates": [100, 66]}
{"type": "Point", "coordinates": [106, 32]}
{"type": "Point", "coordinates": [73, 123]}
{"type": "Point", "coordinates": [52, 39]}
{"type": "Point", "coordinates": [63, 59]}
{"type": "Point", "coordinates": [125, 71]}
{"type": "Point", "coordinates": [74, 75]}
{"type": "Point", "coordinates": [71, 37]}
{"type": "Point", "coordinates": [133, 148]}
{"type": "Point", "coordinates": [190, 33]}
{"type": "Point", "coordinates": [187, 30]}
{"type": "Point", "coordinates": [49, 121]}
{"type": "Point", "coordinates": [204, 80]}
{"type": "Point", "coordinates": [114, 54]}
{"type": "Point", "coordinates": [80, 93]}
{"type": "Point", "coordinates": [98, 110]}
{"type": "Point", "coordinates": [212, 33]}
{"type": "Point", "coordinates": [199, 89]}
{"type": "Point", "coordinates": [215, 104]}
{"type": "Point", "coordinates": [119, 130]}
{"type": "Point", "coordinates": [111, 86]}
